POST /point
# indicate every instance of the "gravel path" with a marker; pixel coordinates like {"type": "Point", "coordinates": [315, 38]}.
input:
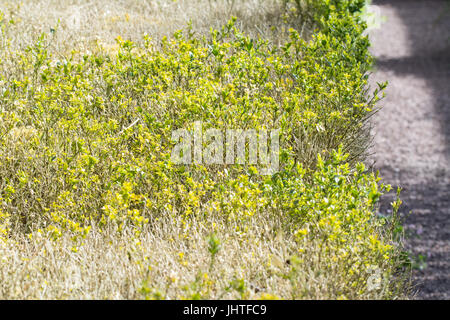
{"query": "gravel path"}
{"type": "Point", "coordinates": [412, 136]}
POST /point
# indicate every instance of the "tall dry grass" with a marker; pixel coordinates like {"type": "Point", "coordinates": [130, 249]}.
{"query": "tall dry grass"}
{"type": "Point", "coordinates": [84, 24]}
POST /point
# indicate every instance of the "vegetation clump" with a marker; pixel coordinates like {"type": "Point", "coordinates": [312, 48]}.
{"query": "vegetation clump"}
{"type": "Point", "coordinates": [85, 162]}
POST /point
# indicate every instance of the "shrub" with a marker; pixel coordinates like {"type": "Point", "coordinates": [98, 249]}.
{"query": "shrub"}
{"type": "Point", "coordinates": [87, 143]}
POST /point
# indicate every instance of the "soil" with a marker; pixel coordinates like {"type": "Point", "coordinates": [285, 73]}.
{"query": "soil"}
{"type": "Point", "coordinates": [411, 145]}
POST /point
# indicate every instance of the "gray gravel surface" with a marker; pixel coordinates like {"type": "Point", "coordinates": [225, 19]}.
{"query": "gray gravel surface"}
{"type": "Point", "coordinates": [411, 133]}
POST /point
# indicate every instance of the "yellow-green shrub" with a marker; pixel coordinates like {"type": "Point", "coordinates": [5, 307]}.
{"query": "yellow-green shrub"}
{"type": "Point", "coordinates": [87, 139]}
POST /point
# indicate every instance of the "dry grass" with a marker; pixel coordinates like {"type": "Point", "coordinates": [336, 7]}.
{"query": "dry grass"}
{"type": "Point", "coordinates": [84, 24]}
{"type": "Point", "coordinates": [162, 263]}
{"type": "Point", "coordinates": [115, 267]}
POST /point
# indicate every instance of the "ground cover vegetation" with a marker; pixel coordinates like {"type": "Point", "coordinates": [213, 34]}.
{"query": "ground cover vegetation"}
{"type": "Point", "coordinates": [91, 205]}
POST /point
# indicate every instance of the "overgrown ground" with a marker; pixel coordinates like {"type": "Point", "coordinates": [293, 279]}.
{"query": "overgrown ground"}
{"type": "Point", "coordinates": [92, 206]}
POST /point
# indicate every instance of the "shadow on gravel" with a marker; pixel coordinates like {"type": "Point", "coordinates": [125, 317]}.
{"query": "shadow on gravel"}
{"type": "Point", "coordinates": [428, 26]}
{"type": "Point", "coordinates": [430, 60]}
